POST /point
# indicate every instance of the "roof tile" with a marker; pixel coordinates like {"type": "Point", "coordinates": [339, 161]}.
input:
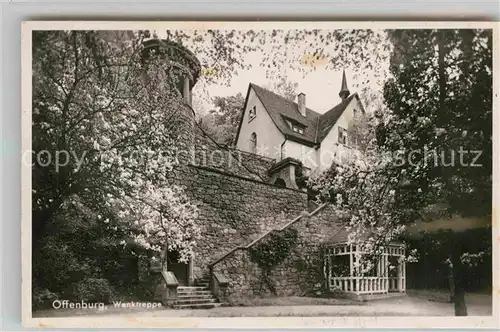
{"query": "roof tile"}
{"type": "Point", "coordinates": [316, 125]}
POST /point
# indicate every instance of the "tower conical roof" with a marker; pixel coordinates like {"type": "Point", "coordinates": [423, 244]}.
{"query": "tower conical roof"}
{"type": "Point", "coordinates": [344, 91]}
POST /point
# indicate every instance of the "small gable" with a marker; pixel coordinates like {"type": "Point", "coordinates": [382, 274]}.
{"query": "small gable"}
{"type": "Point", "coordinates": [328, 120]}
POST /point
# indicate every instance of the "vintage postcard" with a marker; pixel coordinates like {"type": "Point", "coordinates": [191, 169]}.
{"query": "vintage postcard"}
{"type": "Point", "coordinates": [270, 174]}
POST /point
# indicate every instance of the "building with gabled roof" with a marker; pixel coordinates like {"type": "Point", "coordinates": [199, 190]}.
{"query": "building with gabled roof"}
{"type": "Point", "coordinates": [246, 196]}
{"type": "Point", "coordinates": [279, 128]}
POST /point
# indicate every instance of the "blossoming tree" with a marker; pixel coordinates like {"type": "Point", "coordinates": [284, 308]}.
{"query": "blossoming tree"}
{"type": "Point", "coordinates": [438, 99]}
{"type": "Point", "coordinates": [109, 126]}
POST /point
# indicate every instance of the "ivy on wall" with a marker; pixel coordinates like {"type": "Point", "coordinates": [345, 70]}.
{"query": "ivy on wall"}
{"type": "Point", "coordinates": [272, 252]}
{"type": "Point", "coordinates": [311, 268]}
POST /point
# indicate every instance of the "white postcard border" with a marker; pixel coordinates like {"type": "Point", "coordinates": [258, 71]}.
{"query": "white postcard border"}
{"type": "Point", "coordinates": [149, 321]}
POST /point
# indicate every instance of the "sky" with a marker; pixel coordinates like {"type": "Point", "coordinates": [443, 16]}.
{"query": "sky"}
{"type": "Point", "coordinates": [321, 86]}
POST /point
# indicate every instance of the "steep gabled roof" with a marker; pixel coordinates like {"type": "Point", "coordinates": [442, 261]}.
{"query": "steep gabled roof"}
{"type": "Point", "coordinates": [328, 119]}
{"type": "Point", "coordinates": [317, 126]}
{"type": "Point", "coordinates": [280, 109]}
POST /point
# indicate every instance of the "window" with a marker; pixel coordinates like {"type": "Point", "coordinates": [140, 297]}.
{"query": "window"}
{"type": "Point", "coordinates": [253, 143]}
{"type": "Point", "coordinates": [252, 113]}
{"type": "Point", "coordinates": [357, 114]}
{"type": "Point", "coordinates": [342, 136]}
{"type": "Point", "coordinates": [353, 139]}
{"type": "Point", "coordinates": [297, 129]}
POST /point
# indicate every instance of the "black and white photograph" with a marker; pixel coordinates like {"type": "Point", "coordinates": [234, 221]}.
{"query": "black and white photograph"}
{"type": "Point", "coordinates": [258, 170]}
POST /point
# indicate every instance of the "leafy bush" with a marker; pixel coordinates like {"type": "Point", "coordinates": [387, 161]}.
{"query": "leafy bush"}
{"type": "Point", "coordinates": [300, 177]}
{"type": "Point", "coordinates": [43, 298]}
{"type": "Point", "coordinates": [310, 265]}
{"type": "Point", "coordinates": [56, 265]}
{"type": "Point", "coordinates": [93, 290]}
{"type": "Point", "coordinates": [320, 291]}
{"type": "Point", "coordinates": [272, 252]}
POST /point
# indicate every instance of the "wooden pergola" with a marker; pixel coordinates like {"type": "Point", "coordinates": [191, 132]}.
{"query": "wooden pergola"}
{"type": "Point", "coordinates": [388, 274]}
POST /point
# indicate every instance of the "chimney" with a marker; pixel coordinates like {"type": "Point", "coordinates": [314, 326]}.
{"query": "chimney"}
{"type": "Point", "coordinates": [302, 103]}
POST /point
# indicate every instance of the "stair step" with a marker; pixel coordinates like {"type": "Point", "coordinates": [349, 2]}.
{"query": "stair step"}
{"type": "Point", "coordinates": [194, 296]}
{"type": "Point", "coordinates": [183, 291]}
{"type": "Point", "coordinates": [202, 280]}
{"type": "Point", "coordinates": [197, 306]}
{"type": "Point", "coordinates": [195, 301]}
{"type": "Point", "coordinates": [187, 295]}
{"type": "Point", "coordinates": [198, 299]}
{"type": "Point", "coordinates": [191, 291]}
{"type": "Point", "coordinates": [191, 288]}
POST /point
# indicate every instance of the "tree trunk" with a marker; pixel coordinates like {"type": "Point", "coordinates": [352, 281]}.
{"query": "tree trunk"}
{"type": "Point", "coordinates": [451, 282]}
{"type": "Point", "coordinates": [457, 270]}
{"type": "Point", "coordinates": [442, 76]}
{"type": "Point", "coordinates": [164, 257]}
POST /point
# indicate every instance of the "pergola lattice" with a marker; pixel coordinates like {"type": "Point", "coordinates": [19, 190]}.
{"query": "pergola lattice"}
{"type": "Point", "coordinates": [388, 274]}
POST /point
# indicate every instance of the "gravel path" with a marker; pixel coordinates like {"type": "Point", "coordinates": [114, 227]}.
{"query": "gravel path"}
{"type": "Point", "coordinates": [398, 306]}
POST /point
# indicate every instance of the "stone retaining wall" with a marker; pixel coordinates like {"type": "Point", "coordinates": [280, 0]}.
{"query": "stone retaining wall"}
{"type": "Point", "coordinates": [234, 210]}
{"type": "Point", "coordinates": [207, 153]}
{"type": "Point", "coordinates": [298, 275]}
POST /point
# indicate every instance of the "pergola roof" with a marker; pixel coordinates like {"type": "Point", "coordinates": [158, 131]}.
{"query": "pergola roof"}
{"type": "Point", "coordinates": [342, 236]}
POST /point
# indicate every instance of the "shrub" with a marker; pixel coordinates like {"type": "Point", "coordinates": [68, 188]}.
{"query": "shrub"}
{"type": "Point", "coordinates": [323, 292]}
{"type": "Point", "coordinates": [93, 290]}
{"type": "Point", "coordinates": [43, 298]}
{"type": "Point", "coordinates": [56, 265]}
{"type": "Point", "coordinates": [271, 252]}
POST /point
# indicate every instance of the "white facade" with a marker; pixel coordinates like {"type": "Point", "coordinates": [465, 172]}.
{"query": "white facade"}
{"type": "Point", "coordinates": [269, 137]}
{"type": "Point", "coordinates": [331, 149]}
{"type": "Point", "coordinates": [306, 154]}
{"type": "Point", "coordinates": [271, 142]}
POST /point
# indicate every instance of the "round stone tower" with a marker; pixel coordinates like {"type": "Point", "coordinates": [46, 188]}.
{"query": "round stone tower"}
{"type": "Point", "coordinates": [184, 70]}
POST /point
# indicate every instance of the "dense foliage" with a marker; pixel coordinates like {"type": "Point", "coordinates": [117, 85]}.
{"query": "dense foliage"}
{"type": "Point", "coordinates": [112, 123]}
{"type": "Point", "coordinates": [222, 122]}
{"type": "Point", "coordinates": [438, 100]}
{"type": "Point", "coordinates": [433, 270]}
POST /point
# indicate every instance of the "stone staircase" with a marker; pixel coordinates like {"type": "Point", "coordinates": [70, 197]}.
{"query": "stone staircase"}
{"type": "Point", "coordinates": [202, 282]}
{"type": "Point", "coordinates": [196, 297]}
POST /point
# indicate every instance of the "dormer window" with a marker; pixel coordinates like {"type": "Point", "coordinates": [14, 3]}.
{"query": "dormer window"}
{"type": "Point", "coordinates": [252, 113]}
{"type": "Point", "coordinates": [295, 126]}
{"type": "Point", "coordinates": [342, 136]}
{"type": "Point", "coordinates": [297, 129]}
